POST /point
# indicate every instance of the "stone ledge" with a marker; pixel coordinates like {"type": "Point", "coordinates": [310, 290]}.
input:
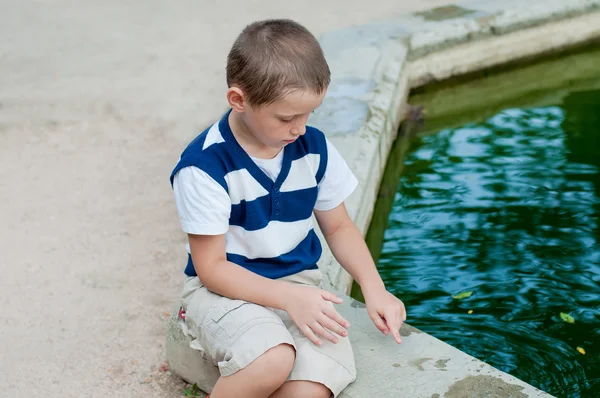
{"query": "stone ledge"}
{"type": "Point", "coordinates": [497, 50]}
{"type": "Point", "coordinates": [422, 366]}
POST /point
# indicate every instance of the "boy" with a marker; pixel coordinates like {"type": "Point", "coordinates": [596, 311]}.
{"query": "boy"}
{"type": "Point", "coordinates": [246, 190]}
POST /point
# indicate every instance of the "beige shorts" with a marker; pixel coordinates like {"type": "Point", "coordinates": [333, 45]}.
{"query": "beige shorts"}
{"type": "Point", "coordinates": [233, 333]}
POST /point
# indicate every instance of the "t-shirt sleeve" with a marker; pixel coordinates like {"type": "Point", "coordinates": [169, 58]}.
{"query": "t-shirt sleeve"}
{"type": "Point", "coordinates": [203, 204]}
{"type": "Point", "coordinates": [338, 181]}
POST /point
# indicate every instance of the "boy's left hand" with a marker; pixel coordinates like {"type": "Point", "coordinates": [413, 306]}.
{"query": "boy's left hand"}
{"type": "Point", "coordinates": [386, 311]}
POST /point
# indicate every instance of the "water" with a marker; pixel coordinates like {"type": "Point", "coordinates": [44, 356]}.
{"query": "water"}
{"type": "Point", "coordinates": [509, 209]}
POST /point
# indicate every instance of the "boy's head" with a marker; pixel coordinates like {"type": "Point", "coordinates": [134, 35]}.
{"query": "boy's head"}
{"type": "Point", "coordinates": [277, 75]}
{"type": "Point", "coordinates": [273, 57]}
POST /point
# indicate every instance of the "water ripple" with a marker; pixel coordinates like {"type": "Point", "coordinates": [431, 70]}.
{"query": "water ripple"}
{"type": "Point", "coordinates": [509, 209]}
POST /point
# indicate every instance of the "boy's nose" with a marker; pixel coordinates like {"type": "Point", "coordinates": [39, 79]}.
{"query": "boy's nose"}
{"type": "Point", "coordinates": [299, 127]}
{"type": "Point", "coordinates": [299, 130]}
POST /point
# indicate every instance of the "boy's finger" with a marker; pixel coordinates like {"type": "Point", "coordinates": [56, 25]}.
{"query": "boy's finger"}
{"type": "Point", "coordinates": [311, 336]}
{"type": "Point", "coordinates": [321, 331]}
{"type": "Point", "coordinates": [329, 324]}
{"type": "Point", "coordinates": [333, 314]}
{"type": "Point", "coordinates": [394, 325]}
{"type": "Point", "coordinates": [379, 323]}
{"type": "Point", "coordinates": [331, 297]}
{"type": "Point", "coordinates": [397, 337]}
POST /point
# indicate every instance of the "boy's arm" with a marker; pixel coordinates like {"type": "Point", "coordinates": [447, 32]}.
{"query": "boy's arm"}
{"type": "Point", "coordinates": [350, 250]}
{"type": "Point", "coordinates": [228, 279]}
{"type": "Point", "coordinates": [307, 306]}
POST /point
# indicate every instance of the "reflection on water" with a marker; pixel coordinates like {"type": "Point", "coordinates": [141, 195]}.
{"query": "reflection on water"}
{"type": "Point", "coordinates": [508, 209]}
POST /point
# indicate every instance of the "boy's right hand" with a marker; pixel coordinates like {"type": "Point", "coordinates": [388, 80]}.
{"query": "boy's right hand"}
{"type": "Point", "coordinates": [311, 310]}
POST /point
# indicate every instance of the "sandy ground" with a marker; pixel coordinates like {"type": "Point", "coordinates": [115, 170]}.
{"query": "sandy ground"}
{"type": "Point", "coordinates": [97, 99]}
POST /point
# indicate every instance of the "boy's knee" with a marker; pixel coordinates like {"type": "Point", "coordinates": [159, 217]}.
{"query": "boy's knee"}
{"type": "Point", "coordinates": [279, 361]}
{"type": "Point", "coordinates": [301, 389]}
{"type": "Point", "coordinates": [313, 390]}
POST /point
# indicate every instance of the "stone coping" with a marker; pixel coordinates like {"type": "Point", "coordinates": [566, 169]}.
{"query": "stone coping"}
{"type": "Point", "coordinates": [374, 67]}
{"type": "Point", "coordinates": [422, 366]}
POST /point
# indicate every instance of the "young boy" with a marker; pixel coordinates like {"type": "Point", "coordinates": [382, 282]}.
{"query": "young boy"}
{"type": "Point", "coordinates": [246, 190]}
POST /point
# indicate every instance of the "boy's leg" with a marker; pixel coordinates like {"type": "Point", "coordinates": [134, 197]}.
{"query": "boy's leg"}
{"type": "Point", "coordinates": [249, 343]}
{"type": "Point", "coordinates": [319, 371]}
{"type": "Point", "coordinates": [301, 388]}
{"type": "Point", "coordinates": [259, 379]}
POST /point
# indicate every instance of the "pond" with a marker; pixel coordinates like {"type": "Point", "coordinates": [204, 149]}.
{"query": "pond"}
{"type": "Point", "coordinates": [493, 238]}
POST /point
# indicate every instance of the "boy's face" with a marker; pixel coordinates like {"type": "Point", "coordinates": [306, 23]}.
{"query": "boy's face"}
{"type": "Point", "coordinates": [282, 122]}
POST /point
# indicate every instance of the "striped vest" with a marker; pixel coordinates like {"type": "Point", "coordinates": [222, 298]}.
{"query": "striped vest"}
{"type": "Point", "coordinates": [270, 226]}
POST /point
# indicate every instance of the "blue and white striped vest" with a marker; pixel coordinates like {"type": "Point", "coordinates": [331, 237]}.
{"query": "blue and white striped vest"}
{"type": "Point", "coordinates": [270, 227]}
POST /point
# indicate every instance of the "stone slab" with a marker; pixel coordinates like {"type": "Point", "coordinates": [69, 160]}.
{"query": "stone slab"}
{"type": "Point", "coordinates": [501, 49]}
{"type": "Point", "coordinates": [422, 366]}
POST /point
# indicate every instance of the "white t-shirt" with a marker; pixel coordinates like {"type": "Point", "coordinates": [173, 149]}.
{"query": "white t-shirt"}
{"type": "Point", "coordinates": [204, 205]}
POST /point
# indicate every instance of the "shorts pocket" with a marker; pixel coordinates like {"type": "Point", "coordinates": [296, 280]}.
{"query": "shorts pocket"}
{"type": "Point", "coordinates": [229, 318]}
{"type": "Point", "coordinates": [223, 307]}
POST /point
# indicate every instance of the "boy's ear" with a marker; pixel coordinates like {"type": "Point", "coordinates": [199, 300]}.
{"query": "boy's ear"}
{"type": "Point", "coordinates": [236, 99]}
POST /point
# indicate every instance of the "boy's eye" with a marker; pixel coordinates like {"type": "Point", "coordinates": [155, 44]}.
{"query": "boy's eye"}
{"type": "Point", "coordinates": [286, 120]}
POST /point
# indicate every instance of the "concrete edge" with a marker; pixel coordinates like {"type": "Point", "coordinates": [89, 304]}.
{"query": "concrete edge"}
{"type": "Point", "coordinates": [485, 18]}
{"type": "Point", "coordinates": [515, 46]}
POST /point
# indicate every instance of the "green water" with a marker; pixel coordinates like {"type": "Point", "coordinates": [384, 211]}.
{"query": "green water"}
{"type": "Point", "coordinates": [508, 208]}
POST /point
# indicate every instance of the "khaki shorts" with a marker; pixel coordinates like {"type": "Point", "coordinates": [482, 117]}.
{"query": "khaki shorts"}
{"type": "Point", "coordinates": [233, 333]}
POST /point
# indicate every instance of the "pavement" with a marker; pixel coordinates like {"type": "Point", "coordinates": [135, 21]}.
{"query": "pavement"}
{"type": "Point", "coordinates": [97, 100]}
